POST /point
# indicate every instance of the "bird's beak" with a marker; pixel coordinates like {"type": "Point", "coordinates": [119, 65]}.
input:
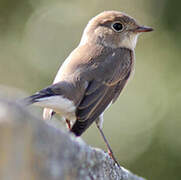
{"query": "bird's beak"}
{"type": "Point", "coordinates": [140, 29]}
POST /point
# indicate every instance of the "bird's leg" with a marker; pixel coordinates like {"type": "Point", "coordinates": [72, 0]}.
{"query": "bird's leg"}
{"type": "Point", "coordinates": [110, 152]}
{"type": "Point", "coordinates": [68, 123]}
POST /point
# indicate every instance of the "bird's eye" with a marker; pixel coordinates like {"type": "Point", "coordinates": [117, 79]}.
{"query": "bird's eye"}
{"type": "Point", "coordinates": [117, 26]}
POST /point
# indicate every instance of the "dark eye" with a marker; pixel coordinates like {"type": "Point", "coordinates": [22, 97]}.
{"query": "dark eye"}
{"type": "Point", "coordinates": [117, 26]}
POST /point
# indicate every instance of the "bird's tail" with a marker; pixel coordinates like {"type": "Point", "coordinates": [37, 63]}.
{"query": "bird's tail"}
{"type": "Point", "coordinates": [47, 113]}
{"type": "Point", "coordinates": [29, 100]}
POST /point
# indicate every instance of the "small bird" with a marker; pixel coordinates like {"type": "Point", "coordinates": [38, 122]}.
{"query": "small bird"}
{"type": "Point", "coordinates": [94, 74]}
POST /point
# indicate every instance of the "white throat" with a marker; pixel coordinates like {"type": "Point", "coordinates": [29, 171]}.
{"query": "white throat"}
{"type": "Point", "coordinates": [129, 42]}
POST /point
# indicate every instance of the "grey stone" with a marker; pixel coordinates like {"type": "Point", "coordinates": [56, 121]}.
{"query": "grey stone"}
{"type": "Point", "coordinates": [31, 149]}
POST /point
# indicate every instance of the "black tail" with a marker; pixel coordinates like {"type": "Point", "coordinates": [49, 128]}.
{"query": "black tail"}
{"type": "Point", "coordinates": [35, 98]}
{"type": "Point", "coordinates": [29, 100]}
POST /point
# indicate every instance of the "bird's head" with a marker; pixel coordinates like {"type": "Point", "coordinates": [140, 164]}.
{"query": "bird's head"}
{"type": "Point", "coordinates": [113, 29]}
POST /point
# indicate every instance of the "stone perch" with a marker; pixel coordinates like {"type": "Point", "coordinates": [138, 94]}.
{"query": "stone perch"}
{"type": "Point", "coordinates": [31, 149]}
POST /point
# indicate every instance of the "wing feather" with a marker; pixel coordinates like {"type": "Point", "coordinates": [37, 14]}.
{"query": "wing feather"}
{"type": "Point", "coordinates": [112, 75]}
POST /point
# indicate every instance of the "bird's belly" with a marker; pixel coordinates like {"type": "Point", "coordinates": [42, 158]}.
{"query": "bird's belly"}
{"type": "Point", "coordinates": [60, 105]}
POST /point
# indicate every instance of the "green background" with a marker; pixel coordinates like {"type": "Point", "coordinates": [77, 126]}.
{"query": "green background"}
{"type": "Point", "coordinates": [144, 125]}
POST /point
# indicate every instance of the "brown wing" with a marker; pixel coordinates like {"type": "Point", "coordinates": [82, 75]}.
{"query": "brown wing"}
{"type": "Point", "coordinates": [111, 76]}
{"type": "Point", "coordinates": [81, 54]}
{"type": "Point", "coordinates": [89, 63]}
{"type": "Point", "coordinates": [119, 87]}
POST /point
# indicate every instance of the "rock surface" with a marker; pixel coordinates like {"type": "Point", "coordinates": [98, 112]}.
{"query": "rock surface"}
{"type": "Point", "coordinates": [31, 149]}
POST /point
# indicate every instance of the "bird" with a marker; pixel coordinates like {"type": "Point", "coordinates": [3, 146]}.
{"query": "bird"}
{"type": "Point", "coordinates": [94, 74]}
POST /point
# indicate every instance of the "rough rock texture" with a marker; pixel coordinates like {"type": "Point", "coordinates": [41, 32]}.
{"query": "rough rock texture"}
{"type": "Point", "coordinates": [30, 149]}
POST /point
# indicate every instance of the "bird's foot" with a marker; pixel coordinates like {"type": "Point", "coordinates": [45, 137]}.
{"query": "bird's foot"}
{"type": "Point", "coordinates": [113, 157]}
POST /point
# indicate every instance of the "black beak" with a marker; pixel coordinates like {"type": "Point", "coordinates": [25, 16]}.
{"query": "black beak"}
{"type": "Point", "coordinates": [140, 29]}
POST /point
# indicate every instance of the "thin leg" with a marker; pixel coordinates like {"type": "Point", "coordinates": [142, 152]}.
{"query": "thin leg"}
{"type": "Point", "coordinates": [110, 152]}
{"type": "Point", "coordinates": [68, 123]}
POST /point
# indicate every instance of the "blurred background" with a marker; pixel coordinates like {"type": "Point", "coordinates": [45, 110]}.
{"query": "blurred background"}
{"type": "Point", "coordinates": [144, 125]}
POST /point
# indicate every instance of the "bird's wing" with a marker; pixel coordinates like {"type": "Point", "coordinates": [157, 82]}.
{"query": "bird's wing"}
{"type": "Point", "coordinates": [110, 78]}
{"type": "Point", "coordinates": [80, 54]}
{"type": "Point", "coordinates": [107, 71]}
{"type": "Point", "coordinates": [119, 87]}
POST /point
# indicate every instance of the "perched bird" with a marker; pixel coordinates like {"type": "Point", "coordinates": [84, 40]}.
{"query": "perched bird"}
{"type": "Point", "coordinates": [94, 74]}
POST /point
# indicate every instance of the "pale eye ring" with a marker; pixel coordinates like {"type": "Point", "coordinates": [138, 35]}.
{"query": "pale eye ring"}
{"type": "Point", "coordinates": [117, 26]}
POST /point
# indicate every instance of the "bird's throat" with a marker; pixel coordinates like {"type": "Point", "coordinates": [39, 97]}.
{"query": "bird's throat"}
{"type": "Point", "coordinates": [129, 41]}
